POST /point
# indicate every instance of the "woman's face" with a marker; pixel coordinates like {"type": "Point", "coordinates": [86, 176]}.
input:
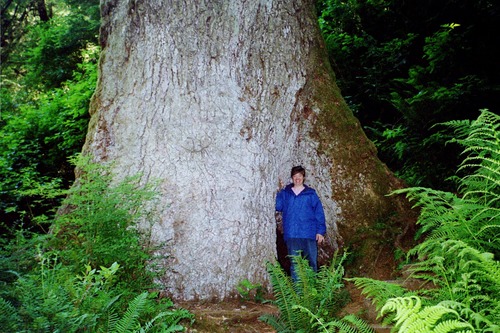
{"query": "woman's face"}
{"type": "Point", "coordinates": [298, 179]}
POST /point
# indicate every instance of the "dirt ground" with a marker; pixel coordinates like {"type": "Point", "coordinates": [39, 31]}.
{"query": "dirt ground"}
{"type": "Point", "coordinates": [231, 316]}
{"type": "Point", "coordinates": [237, 316]}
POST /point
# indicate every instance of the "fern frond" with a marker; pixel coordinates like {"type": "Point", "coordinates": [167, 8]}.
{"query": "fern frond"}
{"type": "Point", "coordinates": [285, 295]}
{"type": "Point", "coordinates": [319, 293]}
{"type": "Point", "coordinates": [9, 318]}
{"type": "Point", "coordinates": [172, 326]}
{"type": "Point", "coordinates": [451, 325]}
{"type": "Point", "coordinates": [481, 265]}
{"type": "Point", "coordinates": [436, 209]}
{"type": "Point", "coordinates": [433, 314]}
{"type": "Point", "coordinates": [479, 320]}
{"type": "Point", "coordinates": [461, 127]}
{"type": "Point", "coordinates": [305, 285]}
{"type": "Point", "coordinates": [330, 283]}
{"type": "Point", "coordinates": [342, 326]}
{"type": "Point", "coordinates": [130, 319]}
{"type": "Point", "coordinates": [490, 180]}
{"type": "Point", "coordinates": [150, 323]}
{"type": "Point", "coordinates": [405, 308]}
{"type": "Point", "coordinates": [411, 317]}
{"type": "Point", "coordinates": [315, 321]}
{"type": "Point", "coordinates": [482, 161]}
{"type": "Point", "coordinates": [460, 252]}
{"type": "Point", "coordinates": [113, 318]}
{"type": "Point", "coordinates": [479, 146]}
{"type": "Point", "coordinates": [276, 322]}
{"type": "Point", "coordinates": [361, 325]}
{"type": "Point", "coordinates": [347, 324]}
{"type": "Point", "coordinates": [379, 291]}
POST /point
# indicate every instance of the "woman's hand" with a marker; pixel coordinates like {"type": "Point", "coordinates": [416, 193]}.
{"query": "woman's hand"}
{"type": "Point", "coordinates": [320, 238]}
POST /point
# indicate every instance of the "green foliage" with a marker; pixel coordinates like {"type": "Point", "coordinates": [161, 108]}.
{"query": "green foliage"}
{"type": "Point", "coordinates": [404, 66]}
{"type": "Point", "coordinates": [347, 324]}
{"type": "Point", "coordinates": [472, 215]}
{"type": "Point", "coordinates": [378, 291]}
{"type": "Point", "coordinates": [412, 317]}
{"type": "Point", "coordinates": [49, 72]}
{"type": "Point", "coordinates": [465, 276]}
{"type": "Point", "coordinates": [36, 140]}
{"type": "Point", "coordinates": [251, 291]}
{"type": "Point", "coordinates": [458, 258]}
{"type": "Point", "coordinates": [130, 321]}
{"type": "Point", "coordinates": [52, 299]}
{"type": "Point", "coordinates": [16, 17]}
{"type": "Point", "coordinates": [313, 296]}
{"type": "Point", "coordinates": [106, 221]}
{"type": "Point", "coordinates": [9, 318]}
{"type": "Point", "coordinates": [100, 230]}
{"type": "Point", "coordinates": [50, 49]}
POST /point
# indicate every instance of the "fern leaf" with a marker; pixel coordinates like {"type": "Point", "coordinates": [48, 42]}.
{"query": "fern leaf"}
{"type": "Point", "coordinates": [316, 292]}
{"type": "Point", "coordinates": [433, 314]}
{"type": "Point", "coordinates": [361, 325]}
{"type": "Point", "coordinates": [112, 321]}
{"type": "Point", "coordinates": [285, 295]}
{"type": "Point", "coordinates": [9, 318]}
{"type": "Point", "coordinates": [347, 324]}
{"type": "Point", "coordinates": [315, 321]}
{"type": "Point", "coordinates": [276, 322]}
{"type": "Point", "coordinates": [406, 308]}
{"type": "Point", "coordinates": [330, 283]}
{"type": "Point", "coordinates": [130, 319]}
{"type": "Point", "coordinates": [451, 325]}
{"type": "Point", "coordinates": [379, 291]}
{"type": "Point", "coordinates": [412, 317]}
{"type": "Point", "coordinates": [305, 285]}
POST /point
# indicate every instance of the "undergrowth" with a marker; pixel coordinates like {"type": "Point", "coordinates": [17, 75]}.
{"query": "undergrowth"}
{"type": "Point", "coordinates": [457, 260]}
{"type": "Point", "coordinates": [311, 303]}
{"type": "Point", "coordinates": [91, 272]}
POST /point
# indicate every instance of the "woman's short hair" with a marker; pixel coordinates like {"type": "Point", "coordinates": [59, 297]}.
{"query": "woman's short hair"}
{"type": "Point", "coordinates": [297, 169]}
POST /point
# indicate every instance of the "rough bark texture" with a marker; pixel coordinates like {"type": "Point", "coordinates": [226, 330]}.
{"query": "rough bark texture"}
{"type": "Point", "coordinates": [218, 100]}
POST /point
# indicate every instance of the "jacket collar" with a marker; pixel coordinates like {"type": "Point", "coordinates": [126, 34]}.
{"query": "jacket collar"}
{"type": "Point", "coordinates": [289, 188]}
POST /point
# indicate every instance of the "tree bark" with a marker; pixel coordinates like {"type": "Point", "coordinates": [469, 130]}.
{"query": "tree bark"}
{"type": "Point", "coordinates": [218, 100]}
{"type": "Point", "coordinates": [41, 7]}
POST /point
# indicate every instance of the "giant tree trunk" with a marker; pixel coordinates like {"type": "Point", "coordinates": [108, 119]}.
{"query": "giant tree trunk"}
{"type": "Point", "coordinates": [219, 99]}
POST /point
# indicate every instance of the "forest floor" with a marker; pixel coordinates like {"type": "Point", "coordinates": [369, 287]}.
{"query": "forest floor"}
{"type": "Point", "coordinates": [230, 316]}
{"type": "Point", "coordinates": [239, 316]}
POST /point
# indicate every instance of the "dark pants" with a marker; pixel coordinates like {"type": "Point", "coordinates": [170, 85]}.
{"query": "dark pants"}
{"type": "Point", "coordinates": [307, 248]}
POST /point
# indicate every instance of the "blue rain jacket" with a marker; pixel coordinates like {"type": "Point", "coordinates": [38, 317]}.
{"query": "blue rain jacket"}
{"type": "Point", "coordinates": [303, 215]}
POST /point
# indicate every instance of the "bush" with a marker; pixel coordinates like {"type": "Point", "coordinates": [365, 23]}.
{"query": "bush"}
{"type": "Point", "coordinates": [105, 221]}
{"type": "Point", "coordinates": [91, 271]}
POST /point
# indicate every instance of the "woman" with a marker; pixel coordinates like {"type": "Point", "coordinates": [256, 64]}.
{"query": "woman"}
{"type": "Point", "coordinates": [303, 219]}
